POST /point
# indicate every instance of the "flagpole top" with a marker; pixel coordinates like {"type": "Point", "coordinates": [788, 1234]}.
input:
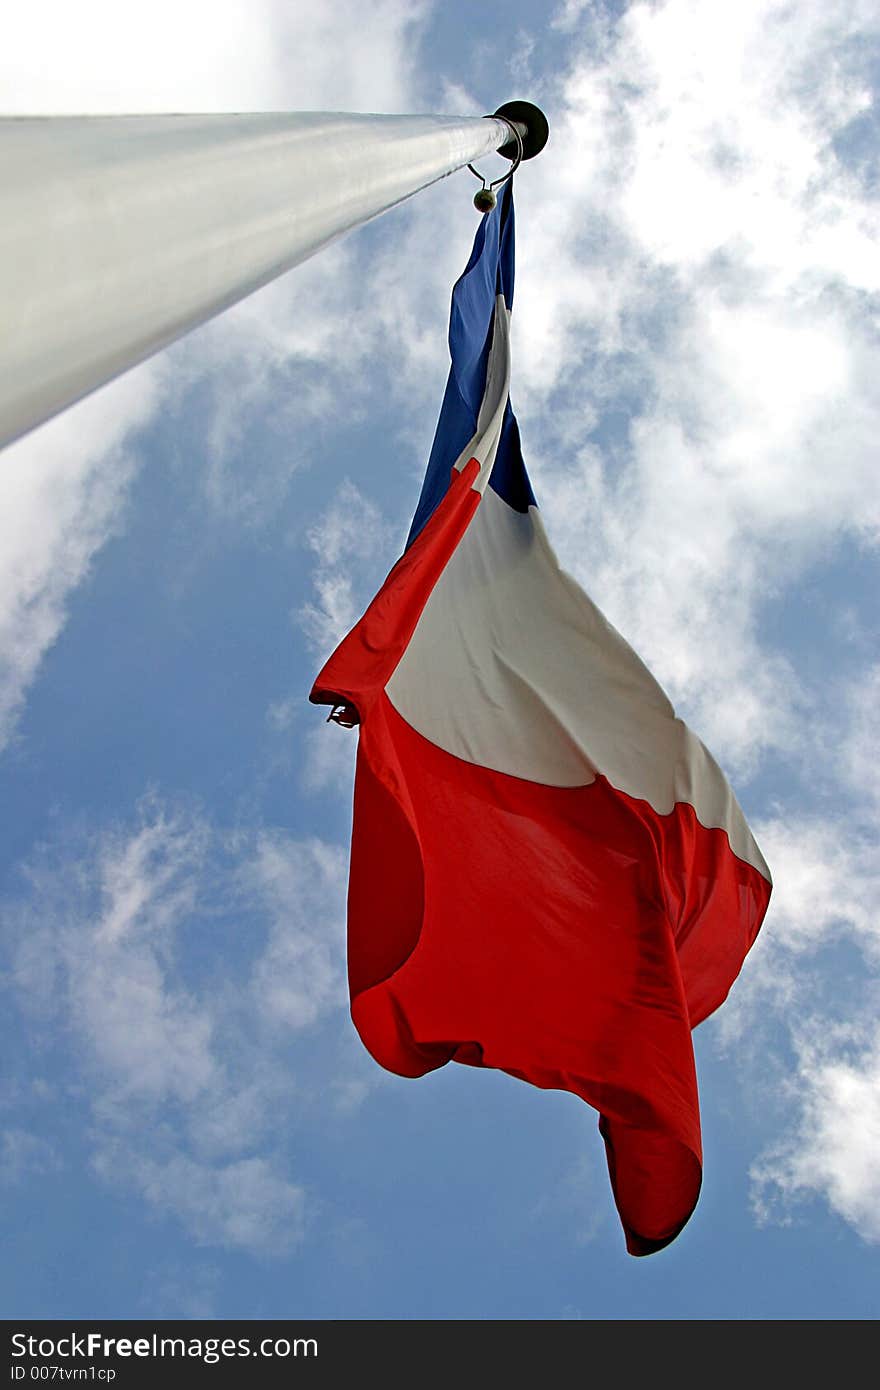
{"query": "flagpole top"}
{"type": "Point", "coordinates": [532, 125]}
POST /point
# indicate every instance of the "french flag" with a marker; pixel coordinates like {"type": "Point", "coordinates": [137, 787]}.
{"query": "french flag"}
{"type": "Point", "coordinates": [550, 874]}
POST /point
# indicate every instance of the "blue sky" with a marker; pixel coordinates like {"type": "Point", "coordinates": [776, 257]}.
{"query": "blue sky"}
{"type": "Point", "coordinates": [188, 1124]}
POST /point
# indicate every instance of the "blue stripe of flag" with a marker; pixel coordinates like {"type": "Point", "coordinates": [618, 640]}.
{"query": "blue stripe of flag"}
{"type": "Point", "coordinates": [489, 271]}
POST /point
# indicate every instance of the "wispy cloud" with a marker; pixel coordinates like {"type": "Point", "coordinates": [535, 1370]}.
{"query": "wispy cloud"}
{"type": "Point", "coordinates": [245, 1204]}
{"type": "Point", "coordinates": [298, 977]}
{"type": "Point", "coordinates": [812, 982]}
{"type": "Point", "coordinates": [352, 544]}
{"type": "Point", "coordinates": [268, 382]}
{"type": "Point", "coordinates": [573, 1204]}
{"type": "Point", "coordinates": [63, 493]}
{"type": "Point", "coordinates": [181, 965]}
{"type": "Point", "coordinates": [25, 1155]}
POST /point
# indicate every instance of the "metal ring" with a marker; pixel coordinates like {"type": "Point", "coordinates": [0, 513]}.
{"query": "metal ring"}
{"type": "Point", "coordinates": [517, 160]}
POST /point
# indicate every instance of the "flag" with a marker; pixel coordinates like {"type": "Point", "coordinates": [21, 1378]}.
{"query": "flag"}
{"type": "Point", "coordinates": [549, 873]}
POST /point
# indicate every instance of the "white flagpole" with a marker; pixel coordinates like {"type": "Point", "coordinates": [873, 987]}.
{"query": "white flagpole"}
{"type": "Point", "coordinates": [118, 234]}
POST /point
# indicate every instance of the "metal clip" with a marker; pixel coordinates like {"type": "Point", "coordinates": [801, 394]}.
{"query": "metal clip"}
{"type": "Point", "coordinates": [485, 199]}
{"type": "Point", "coordinates": [344, 715]}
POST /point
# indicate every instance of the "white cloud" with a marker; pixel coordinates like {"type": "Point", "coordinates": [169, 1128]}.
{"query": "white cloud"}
{"type": "Point", "coordinates": [695, 262]}
{"type": "Point", "coordinates": [354, 547]}
{"type": "Point", "coordinates": [827, 878]}
{"type": "Point", "coordinates": [179, 965]}
{"type": "Point", "coordinates": [833, 1150]}
{"type": "Point", "coordinates": [280, 367]}
{"type": "Point", "coordinates": [569, 14]}
{"type": "Point", "coordinates": [298, 975]}
{"type": "Point", "coordinates": [352, 542]}
{"type": "Point", "coordinates": [811, 980]}
{"type": "Point", "coordinates": [200, 55]}
{"type": "Point", "coordinates": [329, 761]}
